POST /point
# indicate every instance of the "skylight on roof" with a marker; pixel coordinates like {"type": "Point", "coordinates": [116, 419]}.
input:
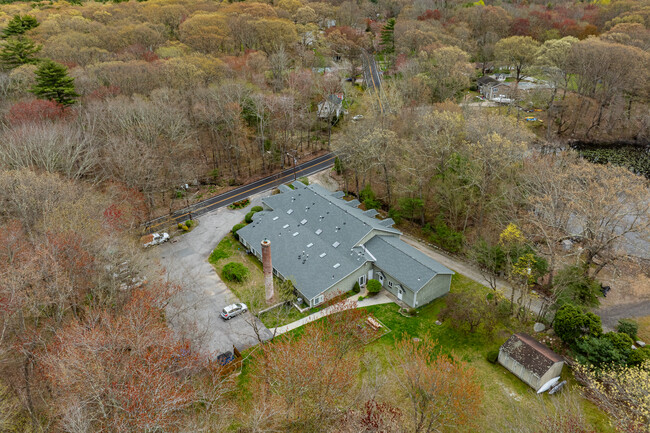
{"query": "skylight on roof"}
{"type": "Point", "coordinates": [290, 211]}
{"type": "Point", "coordinates": [336, 244]}
{"type": "Point", "coordinates": [296, 234]}
{"type": "Point", "coordinates": [337, 265]}
{"type": "Point", "coordinates": [309, 245]}
{"type": "Point", "coordinates": [303, 222]}
{"type": "Point", "coordinates": [274, 218]}
{"type": "Point", "coordinates": [319, 231]}
{"type": "Point", "coordinates": [285, 226]}
{"type": "Point", "coordinates": [323, 255]}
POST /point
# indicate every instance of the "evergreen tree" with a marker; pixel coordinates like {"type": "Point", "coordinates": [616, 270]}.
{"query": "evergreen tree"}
{"type": "Point", "coordinates": [388, 36]}
{"type": "Point", "coordinates": [18, 51]}
{"type": "Point", "coordinates": [19, 25]}
{"type": "Point", "coordinates": [53, 83]}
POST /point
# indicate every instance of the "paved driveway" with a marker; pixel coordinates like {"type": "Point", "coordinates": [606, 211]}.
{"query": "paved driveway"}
{"type": "Point", "coordinates": [195, 311]}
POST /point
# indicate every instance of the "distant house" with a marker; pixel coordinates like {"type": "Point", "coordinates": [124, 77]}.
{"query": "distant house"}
{"type": "Point", "coordinates": [325, 244]}
{"type": "Point", "coordinates": [485, 82]}
{"type": "Point", "coordinates": [331, 107]}
{"type": "Point", "coordinates": [494, 90]}
{"type": "Point", "coordinates": [500, 92]}
{"type": "Point", "coordinates": [530, 360]}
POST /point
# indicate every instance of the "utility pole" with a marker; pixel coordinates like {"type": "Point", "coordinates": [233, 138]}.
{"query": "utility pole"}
{"type": "Point", "coordinates": [295, 162]}
{"type": "Point", "coordinates": [187, 203]}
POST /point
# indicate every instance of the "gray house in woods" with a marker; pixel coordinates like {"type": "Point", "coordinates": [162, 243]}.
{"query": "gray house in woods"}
{"type": "Point", "coordinates": [324, 244]}
{"type": "Point", "coordinates": [530, 360]}
{"type": "Point", "coordinates": [332, 107]}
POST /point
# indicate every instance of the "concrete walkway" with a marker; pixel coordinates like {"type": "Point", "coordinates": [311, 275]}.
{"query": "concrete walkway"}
{"type": "Point", "coordinates": [380, 298]}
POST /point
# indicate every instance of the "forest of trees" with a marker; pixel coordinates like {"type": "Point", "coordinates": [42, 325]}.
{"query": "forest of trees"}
{"type": "Point", "coordinates": [106, 108]}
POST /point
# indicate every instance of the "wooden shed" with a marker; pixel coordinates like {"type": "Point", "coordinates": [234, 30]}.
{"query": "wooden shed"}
{"type": "Point", "coordinates": [530, 360]}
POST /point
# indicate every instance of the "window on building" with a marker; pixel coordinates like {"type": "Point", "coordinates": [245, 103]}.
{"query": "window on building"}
{"type": "Point", "coordinates": [318, 300]}
{"type": "Point", "coordinates": [390, 284]}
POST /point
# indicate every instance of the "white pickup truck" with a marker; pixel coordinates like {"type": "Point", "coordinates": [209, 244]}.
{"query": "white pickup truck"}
{"type": "Point", "coordinates": [154, 239]}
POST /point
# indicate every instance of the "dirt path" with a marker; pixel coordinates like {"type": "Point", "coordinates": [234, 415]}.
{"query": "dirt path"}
{"type": "Point", "coordinates": [611, 315]}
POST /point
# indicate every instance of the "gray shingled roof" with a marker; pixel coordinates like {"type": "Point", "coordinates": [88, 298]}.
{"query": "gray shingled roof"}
{"type": "Point", "coordinates": [486, 80]}
{"type": "Point", "coordinates": [530, 353]}
{"type": "Point", "coordinates": [403, 262]}
{"type": "Point", "coordinates": [316, 236]}
{"type": "Point", "coordinates": [308, 211]}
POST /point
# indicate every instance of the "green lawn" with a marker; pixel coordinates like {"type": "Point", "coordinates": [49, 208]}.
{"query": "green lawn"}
{"type": "Point", "coordinates": [230, 250]}
{"type": "Point", "coordinates": [281, 316]}
{"type": "Point", "coordinates": [503, 391]}
{"type": "Point", "coordinates": [251, 292]}
{"type": "Point", "coordinates": [504, 394]}
{"type": "Point", "coordinates": [644, 328]}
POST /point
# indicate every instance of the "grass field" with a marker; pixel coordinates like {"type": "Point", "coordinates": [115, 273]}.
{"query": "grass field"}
{"type": "Point", "coordinates": [251, 292]}
{"type": "Point", "coordinates": [644, 329]}
{"type": "Point", "coordinates": [505, 396]}
{"type": "Point", "coordinates": [230, 250]}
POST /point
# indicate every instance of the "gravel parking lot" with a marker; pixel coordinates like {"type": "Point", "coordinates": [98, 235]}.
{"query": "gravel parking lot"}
{"type": "Point", "coordinates": [195, 311]}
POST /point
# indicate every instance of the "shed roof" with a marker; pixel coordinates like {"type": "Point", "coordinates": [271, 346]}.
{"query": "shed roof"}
{"type": "Point", "coordinates": [530, 353]}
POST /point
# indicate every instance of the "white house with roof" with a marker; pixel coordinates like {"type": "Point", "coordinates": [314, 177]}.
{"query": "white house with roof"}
{"type": "Point", "coordinates": [325, 244]}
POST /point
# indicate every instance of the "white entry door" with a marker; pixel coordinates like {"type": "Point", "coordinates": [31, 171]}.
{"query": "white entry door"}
{"type": "Point", "coordinates": [381, 279]}
{"type": "Point", "coordinates": [400, 292]}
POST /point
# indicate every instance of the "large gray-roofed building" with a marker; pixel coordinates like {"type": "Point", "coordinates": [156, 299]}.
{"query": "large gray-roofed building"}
{"type": "Point", "coordinates": [325, 244]}
{"type": "Point", "coordinates": [404, 262]}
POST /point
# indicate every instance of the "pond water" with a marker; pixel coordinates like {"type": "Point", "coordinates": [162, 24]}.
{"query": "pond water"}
{"type": "Point", "coordinates": [635, 156]}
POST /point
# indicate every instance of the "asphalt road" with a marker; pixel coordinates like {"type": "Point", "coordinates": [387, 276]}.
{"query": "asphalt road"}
{"type": "Point", "coordinates": [219, 201]}
{"type": "Point", "coordinates": [371, 75]}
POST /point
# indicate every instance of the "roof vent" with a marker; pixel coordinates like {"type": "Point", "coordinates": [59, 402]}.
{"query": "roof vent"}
{"type": "Point", "coordinates": [336, 244]}
{"type": "Point", "coordinates": [275, 218]}
{"type": "Point", "coordinates": [290, 211]}
{"type": "Point", "coordinates": [337, 265]}
{"type": "Point", "coordinates": [285, 226]}
{"type": "Point", "coordinates": [323, 255]}
{"type": "Point", "coordinates": [303, 222]}
{"type": "Point", "coordinates": [309, 245]}
{"type": "Point", "coordinates": [295, 234]}
{"type": "Point", "coordinates": [319, 231]}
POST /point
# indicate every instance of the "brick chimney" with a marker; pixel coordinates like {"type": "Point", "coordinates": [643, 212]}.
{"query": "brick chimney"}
{"type": "Point", "coordinates": [267, 265]}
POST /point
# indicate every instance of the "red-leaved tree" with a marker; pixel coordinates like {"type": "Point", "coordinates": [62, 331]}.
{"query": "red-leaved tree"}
{"type": "Point", "coordinates": [38, 110]}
